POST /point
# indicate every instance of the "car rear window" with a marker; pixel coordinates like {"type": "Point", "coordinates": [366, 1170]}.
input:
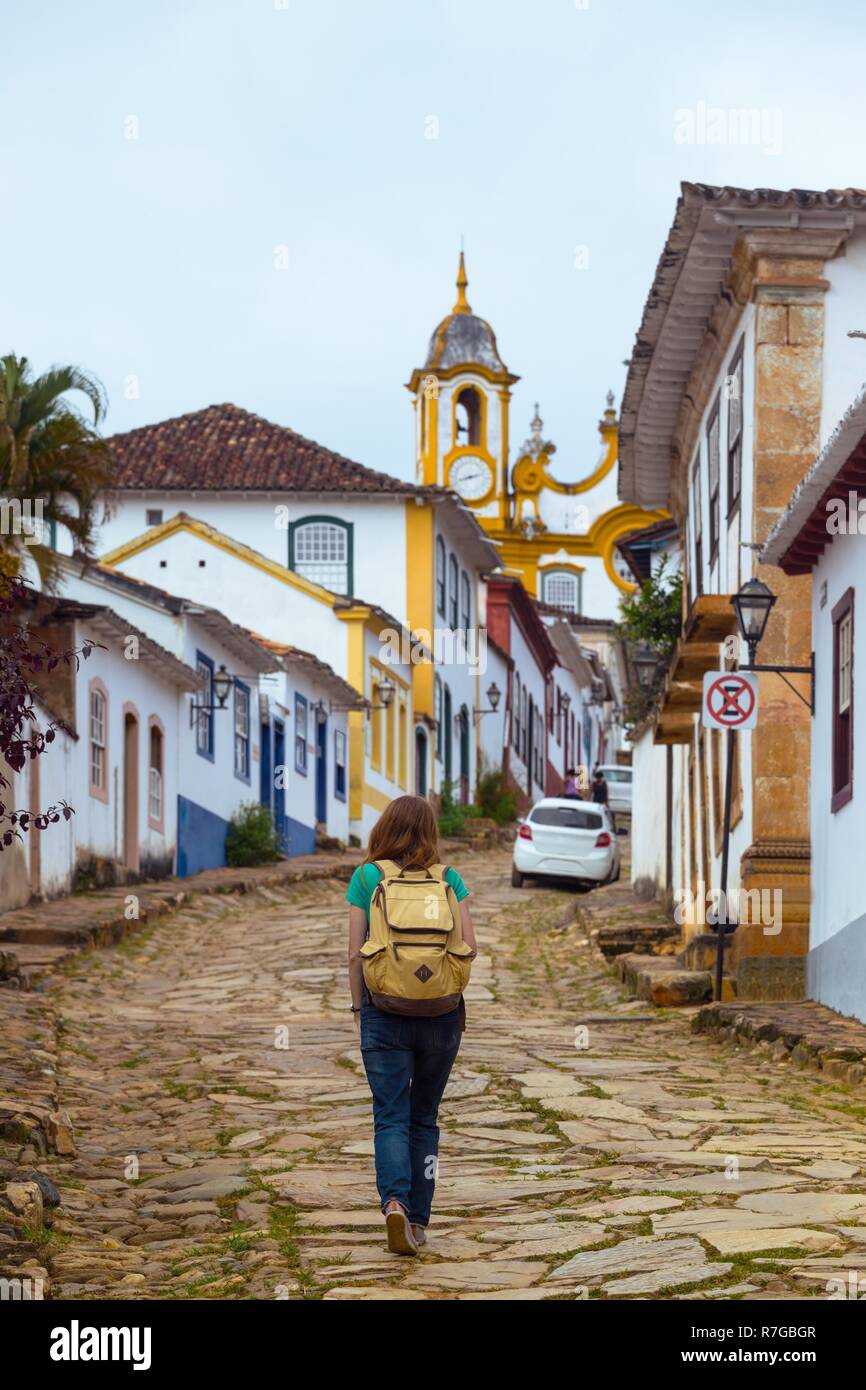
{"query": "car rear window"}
{"type": "Point", "coordinates": [618, 774]}
{"type": "Point", "coordinates": [571, 817]}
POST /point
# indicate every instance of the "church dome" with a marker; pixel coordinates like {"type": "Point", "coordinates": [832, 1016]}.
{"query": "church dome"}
{"type": "Point", "coordinates": [463, 337]}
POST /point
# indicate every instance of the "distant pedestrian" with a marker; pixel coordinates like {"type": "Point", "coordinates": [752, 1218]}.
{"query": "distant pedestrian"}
{"type": "Point", "coordinates": [571, 788]}
{"type": "Point", "coordinates": [411, 945]}
{"type": "Point", "coordinates": [599, 794]}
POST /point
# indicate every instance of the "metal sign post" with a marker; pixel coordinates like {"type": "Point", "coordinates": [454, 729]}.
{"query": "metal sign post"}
{"type": "Point", "coordinates": [730, 702]}
{"type": "Point", "coordinates": [720, 932]}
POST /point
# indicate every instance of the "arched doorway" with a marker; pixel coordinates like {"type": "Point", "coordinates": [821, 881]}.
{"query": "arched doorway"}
{"type": "Point", "coordinates": [447, 732]}
{"type": "Point", "coordinates": [420, 762]}
{"type": "Point", "coordinates": [131, 857]}
{"type": "Point", "coordinates": [464, 754]}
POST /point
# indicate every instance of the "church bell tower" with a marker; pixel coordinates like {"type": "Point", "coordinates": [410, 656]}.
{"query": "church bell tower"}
{"type": "Point", "coordinates": [462, 396]}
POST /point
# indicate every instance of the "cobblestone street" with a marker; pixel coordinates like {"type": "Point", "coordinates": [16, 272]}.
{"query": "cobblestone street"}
{"type": "Point", "coordinates": [224, 1135]}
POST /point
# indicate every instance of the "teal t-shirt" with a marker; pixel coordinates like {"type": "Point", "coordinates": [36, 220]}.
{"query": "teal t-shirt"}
{"type": "Point", "coordinates": [365, 878]}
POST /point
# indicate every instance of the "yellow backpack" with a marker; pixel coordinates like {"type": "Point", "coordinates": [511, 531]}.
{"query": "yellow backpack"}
{"type": "Point", "coordinates": [415, 959]}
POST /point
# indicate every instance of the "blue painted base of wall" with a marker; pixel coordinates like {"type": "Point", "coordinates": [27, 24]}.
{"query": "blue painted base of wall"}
{"type": "Point", "coordinates": [836, 971]}
{"type": "Point", "coordinates": [201, 839]}
{"type": "Point", "coordinates": [298, 838]}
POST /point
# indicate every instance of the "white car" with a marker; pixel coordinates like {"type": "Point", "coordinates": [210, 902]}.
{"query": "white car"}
{"type": "Point", "coordinates": [618, 786]}
{"type": "Point", "coordinates": [563, 837]}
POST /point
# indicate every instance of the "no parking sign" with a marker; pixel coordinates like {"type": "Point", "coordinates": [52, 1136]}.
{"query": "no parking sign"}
{"type": "Point", "coordinates": [730, 700]}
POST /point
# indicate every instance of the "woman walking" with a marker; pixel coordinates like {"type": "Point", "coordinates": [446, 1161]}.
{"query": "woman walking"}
{"type": "Point", "coordinates": [411, 944]}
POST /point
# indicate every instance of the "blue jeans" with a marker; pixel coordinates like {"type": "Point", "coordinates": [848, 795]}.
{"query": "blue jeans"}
{"type": "Point", "coordinates": [408, 1062]}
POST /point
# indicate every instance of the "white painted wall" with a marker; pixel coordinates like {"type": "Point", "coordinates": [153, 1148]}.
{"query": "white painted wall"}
{"type": "Point", "coordinates": [648, 821]}
{"type": "Point", "coordinates": [493, 729]}
{"type": "Point", "coordinates": [280, 689]}
{"type": "Point", "coordinates": [532, 680]}
{"type": "Point", "coordinates": [379, 781]}
{"type": "Point", "coordinates": [838, 894]}
{"type": "Point", "coordinates": [212, 783]}
{"type": "Point", "coordinates": [46, 781]}
{"type": "Point", "coordinates": [262, 523]}
{"type": "Point", "coordinates": [99, 824]}
{"type": "Point", "coordinates": [733, 566]}
{"type": "Point", "coordinates": [844, 366]}
{"type": "Point", "coordinates": [191, 567]}
{"type": "Point", "coordinates": [576, 514]}
{"type": "Point", "coordinates": [463, 665]}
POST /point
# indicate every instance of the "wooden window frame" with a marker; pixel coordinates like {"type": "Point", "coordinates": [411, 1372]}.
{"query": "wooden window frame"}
{"type": "Point", "coordinates": [347, 527]}
{"type": "Point", "coordinates": [842, 791]}
{"type": "Point", "coordinates": [441, 593]}
{"type": "Point", "coordinates": [453, 593]}
{"type": "Point", "coordinates": [714, 510]}
{"type": "Point", "coordinates": [734, 431]}
{"type": "Point", "coordinates": [340, 753]}
{"type": "Point", "coordinates": [301, 758]}
{"type": "Point", "coordinates": [575, 578]}
{"type": "Point", "coordinates": [97, 790]}
{"type": "Point", "coordinates": [698, 520]}
{"type": "Point", "coordinates": [204, 719]}
{"type": "Point", "coordinates": [515, 717]}
{"type": "Point", "coordinates": [240, 741]}
{"type": "Point", "coordinates": [156, 822]}
{"type": "Point", "coordinates": [437, 714]}
{"type": "Point", "coordinates": [390, 735]}
{"type": "Point", "coordinates": [465, 602]}
{"type": "Point", "coordinates": [402, 739]}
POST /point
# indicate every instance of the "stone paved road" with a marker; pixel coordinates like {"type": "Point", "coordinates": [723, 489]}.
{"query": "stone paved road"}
{"type": "Point", "coordinates": [225, 1140]}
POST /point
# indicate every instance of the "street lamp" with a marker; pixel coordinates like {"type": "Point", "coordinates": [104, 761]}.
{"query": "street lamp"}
{"type": "Point", "coordinates": [565, 701]}
{"type": "Point", "coordinates": [752, 606]}
{"type": "Point", "coordinates": [386, 690]}
{"type": "Point", "coordinates": [494, 695]}
{"type": "Point", "coordinates": [645, 661]}
{"type": "Point", "coordinates": [221, 685]}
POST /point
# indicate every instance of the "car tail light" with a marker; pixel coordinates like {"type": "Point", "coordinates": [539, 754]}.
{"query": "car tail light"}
{"type": "Point", "coordinates": [524, 833]}
{"type": "Point", "coordinates": [603, 840]}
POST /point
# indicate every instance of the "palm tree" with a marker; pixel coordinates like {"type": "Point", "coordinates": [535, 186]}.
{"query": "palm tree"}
{"type": "Point", "coordinates": [49, 453]}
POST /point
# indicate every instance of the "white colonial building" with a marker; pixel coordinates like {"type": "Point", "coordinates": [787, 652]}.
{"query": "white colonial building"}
{"type": "Point", "coordinates": [733, 386]}
{"type": "Point", "coordinates": [204, 751]}
{"type": "Point", "coordinates": [362, 650]}
{"type": "Point", "coordinates": [822, 533]}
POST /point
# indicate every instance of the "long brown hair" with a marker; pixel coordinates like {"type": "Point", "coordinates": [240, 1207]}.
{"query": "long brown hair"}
{"type": "Point", "coordinates": [407, 832]}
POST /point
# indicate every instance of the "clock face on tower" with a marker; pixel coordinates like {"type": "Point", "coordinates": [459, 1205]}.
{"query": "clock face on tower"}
{"type": "Point", "coordinates": [470, 477]}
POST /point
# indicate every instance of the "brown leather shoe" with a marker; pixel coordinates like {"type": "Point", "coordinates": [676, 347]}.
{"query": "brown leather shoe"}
{"type": "Point", "coordinates": [401, 1240]}
{"type": "Point", "coordinates": [420, 1235]}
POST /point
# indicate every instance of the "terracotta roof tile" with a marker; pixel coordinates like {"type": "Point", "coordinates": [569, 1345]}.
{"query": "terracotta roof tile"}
{"type": "Point", "coordinates": [225, 448]}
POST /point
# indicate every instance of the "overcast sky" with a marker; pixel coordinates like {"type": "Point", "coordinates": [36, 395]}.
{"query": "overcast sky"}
{"type": "Point", "coordinates": [240, 200]}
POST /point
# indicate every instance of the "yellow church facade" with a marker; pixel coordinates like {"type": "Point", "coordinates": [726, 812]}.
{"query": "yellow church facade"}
{"type": "Point", "coordinates": [558, 536]}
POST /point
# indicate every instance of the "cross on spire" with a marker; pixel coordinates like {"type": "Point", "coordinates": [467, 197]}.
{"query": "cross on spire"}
{"type": "Point", "coordinates": [462, 305]}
